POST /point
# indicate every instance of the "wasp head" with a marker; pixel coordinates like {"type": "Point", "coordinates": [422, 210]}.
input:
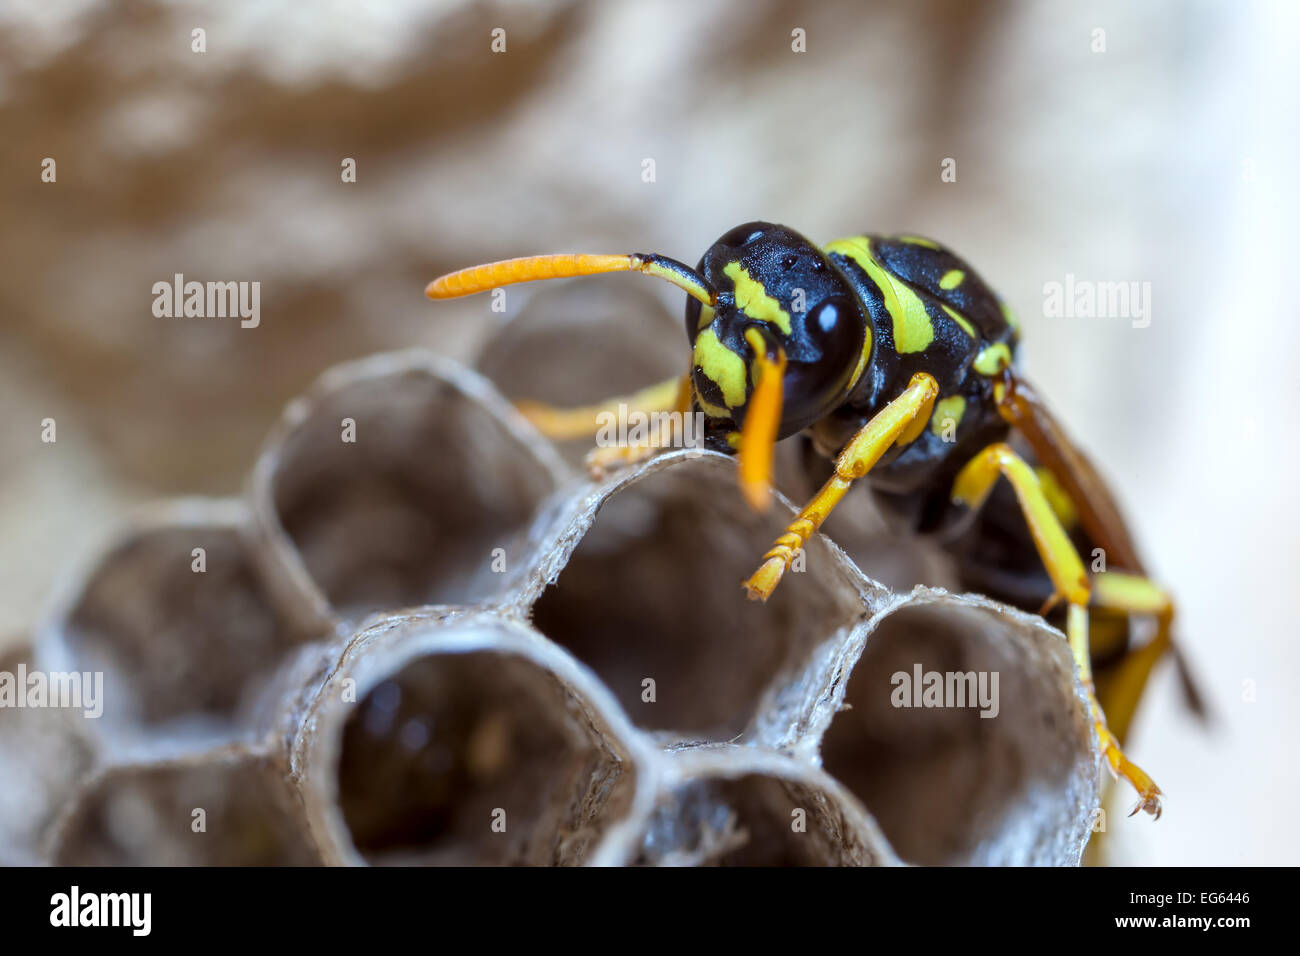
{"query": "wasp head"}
{"type": "Point", "coordinates": [779, 303]}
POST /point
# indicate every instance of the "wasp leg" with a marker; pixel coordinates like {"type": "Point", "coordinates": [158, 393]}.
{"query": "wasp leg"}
{"type": "Point", "coordinates": [666, 403]}
{"type": "Point", "coordinates": [1069, 580]}
{"type": "Point", "coordinates": [673, 395]}
{"type": "Point", "coordinates": [898, 423]}
{"type": "Point", "coordinates": [1124, 682]}
{"type": "Point", "coordinates": [566, 423]}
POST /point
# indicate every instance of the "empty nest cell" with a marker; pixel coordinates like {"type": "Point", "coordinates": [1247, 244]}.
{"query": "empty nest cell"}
{"type": "Point", "coordinates": [44, 756]}
{"type": "Point", "coordinates": [578, 344]}
{"type": "Point", "coordinates": [398, 481]}
{"type": "Point", "coordinates": [468, 744]}
{"type": "Point", "coordinates": [175, 615]}
{"type": "Point", "coordinates": [746, 806]}
{"type": "Point", "coordinates": [948, 784]}
{"type": "Point", "coordinates": [651, 600]}
{"type": "Point", "coordinates": [229, 807]}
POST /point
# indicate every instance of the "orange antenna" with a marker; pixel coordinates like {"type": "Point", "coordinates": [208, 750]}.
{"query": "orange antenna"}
{"type": "Point", "coordinates": [762, 421]}
{"type": "Point", "coordinates": [564, 266]}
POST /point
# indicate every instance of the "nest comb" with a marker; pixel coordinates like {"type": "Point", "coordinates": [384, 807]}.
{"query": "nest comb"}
{"type": "Point", "coordinates": [441, 643]}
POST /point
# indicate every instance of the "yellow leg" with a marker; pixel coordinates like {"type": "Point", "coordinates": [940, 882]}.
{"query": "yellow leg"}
{"type": "Point", "coordinates": [1069, 580]}
{"type": "Point", "coordinates": [1123, 683]}
{"type": "Point", "coordinates": [675, 400]}
{"type": "Point", "coordinates": [895, 423]}
{"type": "Point", "coordinates": [583, 422]}
{"type": "Point", "coordinates": [1120, 686]}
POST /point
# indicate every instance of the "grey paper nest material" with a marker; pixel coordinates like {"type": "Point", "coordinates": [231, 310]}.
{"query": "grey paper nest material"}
{"type": "Point", "coordinates": [427, 639]}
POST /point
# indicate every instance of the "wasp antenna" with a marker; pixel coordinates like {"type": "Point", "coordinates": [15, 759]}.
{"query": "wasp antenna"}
{"type": "Point", "coordinates": [762, 421]}
{"type": "Point", "coordinates": [564, 266]}
{"type": "Point", "coordinates": [679, 274]}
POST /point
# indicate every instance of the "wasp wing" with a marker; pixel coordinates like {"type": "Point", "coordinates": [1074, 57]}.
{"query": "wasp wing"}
{"type": "Point", "coordinates": [1099, 513]}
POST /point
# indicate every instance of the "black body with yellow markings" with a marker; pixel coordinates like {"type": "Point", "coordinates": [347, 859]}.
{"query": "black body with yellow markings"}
{"type": "Point", "coordinates": [857, 320]}
{"type": "Point", "coordinates": [894, 360]}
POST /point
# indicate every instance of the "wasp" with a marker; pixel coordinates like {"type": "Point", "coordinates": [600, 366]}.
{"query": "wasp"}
{"type": "Point", "coordinates": [895, 361]}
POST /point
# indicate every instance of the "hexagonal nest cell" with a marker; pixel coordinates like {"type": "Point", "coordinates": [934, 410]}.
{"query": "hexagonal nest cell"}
{"type": "Point", "coordinates": [651, 600]}
{"type": "Point", "coordinates": [176, 616]}
{"type": "Point", "coordinates": [948, 784]}
{"type": "Point", "coordinates": [428, 638]}
{"type": "Point", "coordinates": [473, 741]}
{"type": "Point", "coordinates": [397, 481]}
{"type": "Point", "coordinates": [230, 807]}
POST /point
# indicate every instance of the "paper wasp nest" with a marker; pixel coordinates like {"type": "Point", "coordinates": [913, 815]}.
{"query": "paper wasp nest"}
{"type": "Point", "coordinates": [424, 636]}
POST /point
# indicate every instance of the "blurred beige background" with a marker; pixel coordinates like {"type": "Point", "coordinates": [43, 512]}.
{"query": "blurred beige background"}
{"type": "Point", "coordinates": [1166, 158]}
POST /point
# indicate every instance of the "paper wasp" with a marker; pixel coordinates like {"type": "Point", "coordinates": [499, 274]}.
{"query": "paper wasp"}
{"type": "Point", "coordinates": [896, 361]}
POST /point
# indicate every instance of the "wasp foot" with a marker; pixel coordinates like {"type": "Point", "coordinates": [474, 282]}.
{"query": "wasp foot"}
{"type": "Point", "coordinates": [1121, 767]}
{"type": "Point", "coordinates": [764, 581]}
{"type": "Point", "coordinates": [601, 461]}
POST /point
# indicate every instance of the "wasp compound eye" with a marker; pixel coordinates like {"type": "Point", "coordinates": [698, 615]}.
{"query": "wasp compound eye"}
{"type": "Point", "coordinates": [816, 380]}
{"type": "Point", "coordinates": [743, 235]}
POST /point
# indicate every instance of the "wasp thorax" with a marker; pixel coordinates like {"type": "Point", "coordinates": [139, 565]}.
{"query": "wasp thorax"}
{"type": "Point", "coordinates": [772, 280]}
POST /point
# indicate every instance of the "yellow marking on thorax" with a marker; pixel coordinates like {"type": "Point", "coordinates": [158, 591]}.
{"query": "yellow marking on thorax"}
{"type": "Point", "coordinates": [953, 407]}
{"type": "Point", "coordinates": [867, 341]}
{"type": "Point", "coordinates": [919, 241]}
{"type": "Point", "coordinates": [753, 300]}
{"type": "Point", "coordinates": [992, 360]}
{"type": "Point", "coordinates": [913, 330]}
{"type": "Point", "coordinates": [960, 320]}
{"type": "Point", "coordinates": [723, 367]}
{"type": "Point", "coordinates": [951, 279]}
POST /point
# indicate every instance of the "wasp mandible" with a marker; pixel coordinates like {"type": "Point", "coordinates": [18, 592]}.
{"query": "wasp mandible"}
{"type": "Point", "coordinates": [896, 361]}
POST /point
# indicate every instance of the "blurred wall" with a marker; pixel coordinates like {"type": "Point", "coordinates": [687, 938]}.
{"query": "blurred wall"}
{"type": "Point", "coordinates": [1160, 154]}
